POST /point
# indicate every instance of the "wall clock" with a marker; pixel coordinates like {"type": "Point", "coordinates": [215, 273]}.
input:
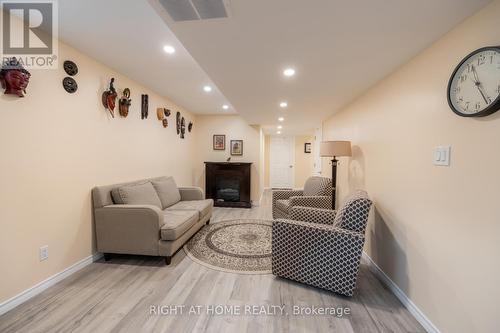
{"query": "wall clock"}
{"type": "Point", "coordinates": [474, 86]}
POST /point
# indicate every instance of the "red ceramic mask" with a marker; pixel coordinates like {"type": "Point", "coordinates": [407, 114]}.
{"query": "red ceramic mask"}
{"type": "Point", "coordinates": [15, 82]}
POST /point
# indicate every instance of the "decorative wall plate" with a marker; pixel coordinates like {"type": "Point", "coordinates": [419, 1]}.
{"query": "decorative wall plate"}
{"type": "Point", "coordinates": [165, 122]}
{"type": "Point", "coordinates": [70, 85]}
{"type": "Point", "coordinates": [166, 112]}
{"type": "Point", "coordinates": [70, 68]}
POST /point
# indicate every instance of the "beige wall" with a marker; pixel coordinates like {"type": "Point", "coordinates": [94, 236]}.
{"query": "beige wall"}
{"type": "Point", "coordinates": [55, 147]}
{"type": "Point", "coordinates": [235, 128]}
{"type": "Point", "coordinates": [435, 230]}
{"type": "Point", "coordinates": [304, 163]}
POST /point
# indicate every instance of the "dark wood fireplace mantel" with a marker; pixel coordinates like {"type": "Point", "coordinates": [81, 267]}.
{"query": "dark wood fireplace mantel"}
{"type": "Point", "coordinates": [228, 184]}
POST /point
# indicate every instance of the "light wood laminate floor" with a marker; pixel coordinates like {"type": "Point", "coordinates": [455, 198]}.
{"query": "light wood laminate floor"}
{"type": "Point", "coordinates": [116, 296]}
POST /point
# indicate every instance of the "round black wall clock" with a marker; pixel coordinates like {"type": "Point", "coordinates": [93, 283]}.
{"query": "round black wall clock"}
{"type": "Point", "coordinates": [474, 86]}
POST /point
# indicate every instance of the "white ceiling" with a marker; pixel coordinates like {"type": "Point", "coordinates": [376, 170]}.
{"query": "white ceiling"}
{"type": "Point", "coordinates": [339, 49]}
{"type": "Point", "coordinates": [128, 36]}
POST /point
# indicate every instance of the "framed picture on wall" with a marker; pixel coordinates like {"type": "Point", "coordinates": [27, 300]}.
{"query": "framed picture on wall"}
{"type": "Point", "coordinates": [236, 147]}
{"type": "Point", "coordinates": [219, 142]}
{"type": "Point", "coordinates": [307, 147]}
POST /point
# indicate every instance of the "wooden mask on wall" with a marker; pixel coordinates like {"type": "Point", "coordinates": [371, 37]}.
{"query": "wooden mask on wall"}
{"type": "Point", "coordinates": [183, 127]}
{"type": "Point", "coordinates": [109, 98]}
{"type": "Point", "coordinates": [178, 122]}
{"type": "Point", "coordinates": [14, 78]}
{"type": "Point", "coordinates": [124, 102]}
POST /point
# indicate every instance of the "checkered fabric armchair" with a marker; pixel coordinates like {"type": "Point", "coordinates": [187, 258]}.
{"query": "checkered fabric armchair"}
{"type": "Point", "coordinates": [322, 247]}
{"type": "Point", "coordinates": [317, 193]}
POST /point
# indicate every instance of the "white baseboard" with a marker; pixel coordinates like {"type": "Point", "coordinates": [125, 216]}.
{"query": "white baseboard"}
{"type": "Point", "coordinates": [47, 283]}
{"type": "Point", "coordinates": [403, 298]}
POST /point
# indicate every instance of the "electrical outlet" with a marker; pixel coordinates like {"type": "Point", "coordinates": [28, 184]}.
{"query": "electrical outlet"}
{"type": "Point", "coordinates": [44, 252]}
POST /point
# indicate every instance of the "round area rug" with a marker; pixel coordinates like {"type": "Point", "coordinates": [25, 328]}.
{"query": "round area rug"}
{"type": "Point", "coordinates": [237, 246]}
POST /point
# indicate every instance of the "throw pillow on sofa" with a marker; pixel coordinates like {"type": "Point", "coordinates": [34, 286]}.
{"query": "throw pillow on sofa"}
{"type": "Point", "coordinates": [167, 191]}
{"type": "Point", "coordinates": [137, 194]}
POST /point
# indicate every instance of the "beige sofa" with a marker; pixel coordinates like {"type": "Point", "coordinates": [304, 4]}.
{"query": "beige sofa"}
{"type": "Point", "coordinates": [148, 217]}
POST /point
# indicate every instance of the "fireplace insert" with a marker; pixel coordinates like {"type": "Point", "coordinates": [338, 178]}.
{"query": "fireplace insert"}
{"type": "Point", "coordinates": [228, 184]}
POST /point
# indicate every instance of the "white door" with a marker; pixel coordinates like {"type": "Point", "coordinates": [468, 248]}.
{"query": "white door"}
{"type": "Point", "coordinates": [318, 136]}
{"type": "Point", "coordinates": [281, 162]}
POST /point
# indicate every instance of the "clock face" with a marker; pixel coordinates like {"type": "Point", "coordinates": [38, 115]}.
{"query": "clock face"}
{"type": "Point", "coordinates": [474, 88]}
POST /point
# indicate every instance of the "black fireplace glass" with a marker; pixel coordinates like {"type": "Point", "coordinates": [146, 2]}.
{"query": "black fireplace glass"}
{"type": "Point", "coordinates": [227, 189]}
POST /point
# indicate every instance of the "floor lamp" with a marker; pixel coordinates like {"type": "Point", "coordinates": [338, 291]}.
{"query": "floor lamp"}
{"type": "Point", "coordinates": [335, 149]}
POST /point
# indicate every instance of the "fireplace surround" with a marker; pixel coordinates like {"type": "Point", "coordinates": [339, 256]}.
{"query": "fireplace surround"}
{"type": "Point", "coordinates": [228, 184]}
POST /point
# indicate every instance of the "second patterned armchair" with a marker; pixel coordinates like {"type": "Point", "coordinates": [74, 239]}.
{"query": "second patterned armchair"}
{"type": "Point", "coordinates": [322, 247]}
{"type": "Point", "coordinates": [317, 193]}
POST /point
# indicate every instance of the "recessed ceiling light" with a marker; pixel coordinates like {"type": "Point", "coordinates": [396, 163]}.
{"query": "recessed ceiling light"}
{"type": "Point", "coordinates": [169, 49]}
{"type": "Point", "coordinates": [207, 88]}
{"type": "Point", "coordinates": [279, 127]}
{"type": "Point", "coordinates": [289, 72]}
{"type": "Point", "coordinates": [225, 106]}
{"type": "Point", "coordinates": [281, 119]}
{"type": "Point", "coordinates": [283, 104]}
{"type": "Point", "coordinates": [279, 132]}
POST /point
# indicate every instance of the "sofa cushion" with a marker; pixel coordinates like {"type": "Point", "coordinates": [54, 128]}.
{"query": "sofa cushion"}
{"type": "Point", "coordinates": [283, 205]}
{"type": "Point", "coordinates": [204, 207]}
{"type": "Point", "coordinates": [167, 191]}
{"type": "Point", "coordinates": [177, 222]}
{"type": "Point", "coordinates": [137, 194]}
{"type": "Point", "coordinates": [315, 186]}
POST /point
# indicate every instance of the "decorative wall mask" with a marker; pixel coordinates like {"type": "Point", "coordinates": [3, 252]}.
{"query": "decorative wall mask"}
{"type": "Point", "coordinates": [183, 127]}
{"type": "Point", "coordinates": [165, 122]}
{"type": "Point", "coordinates": [159, 113]}
{"type": "Point", "coordinates": [124, 103]}
{"type": "Point", "coordinates": [70, 68]}
{"type": "Point", "coordinates": [14, 78]}
{"type": "Point", "coordinates": [190, 126]}
{"type": "Point", "coordinates": [144, 106]}
{"type": "Point", "coordinates": [109, 98]}
{"type": "Point", "coordinates": [70, 85]}
{"type": "Point", "coordinates": [178, 122]}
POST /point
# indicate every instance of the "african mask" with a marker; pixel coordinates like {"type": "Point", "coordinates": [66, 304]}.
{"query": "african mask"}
{"type": "Point", "coordinates": [178, 122]}
{"type": "Point", "coordinates": [183, 127]}
{"type": "Point", "coordinates": [109, 98]}
{"type": "Point", "coordinates": [14, 78]}
{"type": "Point", "coordinates": [124, 102]}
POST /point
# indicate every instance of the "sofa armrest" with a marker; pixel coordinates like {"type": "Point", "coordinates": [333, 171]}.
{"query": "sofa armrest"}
{"type": "Point", "coordinates": [313, 215]}
{"type": "Point", "coordinates": [131, 229]}
{"type": "Point", "coordinates": [324, 202]}
{"type": "Point", "coordinates": [189, 193]}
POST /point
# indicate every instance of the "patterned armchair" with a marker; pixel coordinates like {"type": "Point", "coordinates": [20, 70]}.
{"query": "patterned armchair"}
{"type": "Point", "coordinates": [322, 247]}
{"type": "Point", "coordinates": [317, 193]}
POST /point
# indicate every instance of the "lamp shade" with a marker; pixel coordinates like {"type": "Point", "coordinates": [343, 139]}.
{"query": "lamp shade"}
{"type": "Point", "coordinates": [335, 148]}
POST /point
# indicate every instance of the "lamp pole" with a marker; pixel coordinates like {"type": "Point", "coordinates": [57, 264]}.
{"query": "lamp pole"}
{"type": "Point", "coordinates": [334, 180]}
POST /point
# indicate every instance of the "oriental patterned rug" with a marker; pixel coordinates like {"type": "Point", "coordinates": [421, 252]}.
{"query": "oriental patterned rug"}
{"type": "Point", "coordinates": [236, 246]}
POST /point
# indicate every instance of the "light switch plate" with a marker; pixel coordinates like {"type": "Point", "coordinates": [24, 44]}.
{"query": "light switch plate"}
{"type": "Point", "coordinates": [441, 155]}
{"type": "Point", "coordinates": [44, 252]}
